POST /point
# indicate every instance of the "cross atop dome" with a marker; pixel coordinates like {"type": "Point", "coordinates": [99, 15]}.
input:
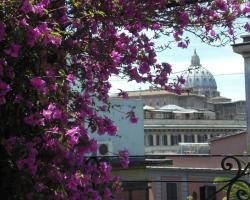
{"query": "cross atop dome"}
{"type": "Point", "coordinates": [195, 61]}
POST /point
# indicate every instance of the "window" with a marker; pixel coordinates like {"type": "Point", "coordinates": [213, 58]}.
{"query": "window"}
{"type": "Point", "coordinates": [175, 139]}
{"type": "Point", "coordinates": [167, 115]}
{"type": "Point", "coordinates": [207, 191]}
{"type": "Point", "coordinates": [189, 138]}
{"type": "Point", "coordinates": [187, 115]}
{"type": "Point", "coordinates": [157, 140]}
{"type": "Point", "coordinates": [171, 191]}
{"type": "Point", "coordinates": [150, 140]}
{"type": "Point", "coordinates": [202, 138]}
{"type": "Point", "coordinates": [165, 140]}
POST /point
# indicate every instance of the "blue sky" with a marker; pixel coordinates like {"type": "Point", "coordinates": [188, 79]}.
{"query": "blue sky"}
{"type": "Point", "coordinates": [218, 60]}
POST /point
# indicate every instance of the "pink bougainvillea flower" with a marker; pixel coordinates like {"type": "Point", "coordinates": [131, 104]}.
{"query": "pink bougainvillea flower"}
{"type": "Point", "coordinates": [123, 94]}
{"type": "Point", "coordinates": [110, 127]}
{"type": "Point", "coordinates": [212, 33]}
{"type": "Point", "coordinates": [247, 8]}
{"type": "Point", "coordinates": [73, 135]}
{"type": "Point", "coordinates": [71, 78]}
{"type": "Point", "coordinates": [46, 3]}
{"type": "Point", "coordinates": [116, 56]}
{"type": "Point", "coordinates": [39, 84]}
{"type": "Point", "coordinates": [247, 27]}
{"type": "Point", "coordinates": [144, 68]}
{"type": "Point", "coordinates": [40, 8]}
{"type": "Point", "coordinates": [4, 88]}
{"type": "Point", "coordinates": [23, 22]}
{"type": "Point", "coordinates": [52, 112]}
{"type": "Point", "coordinates": [181, 80]}
{"type": "Point", "coordinates": [124, 158]}
{"type": "Point", "coordinates": [107, 193]}
{"type": "Point", "coordinates": [2, 31]}
{"type": "Point", "coordinates": [56, 40]}
{"type": "Point", "coordinates": [32, 36]}
{"type": "Point", "coordinates": [29, 161]}
{"type": "Point", "coordinates": [182, 44]}
{"type": "Point", "coordinates": [55, 120]}
{"type": "Point", "coordinates": [132, 118]}
{"type": "Point", "coordinates": [167, 68]}
{"type": "Point", "coordinates": [27, 7]}
{"type": "Point", "coordinates": [13, 50]}
{"type": "Point", "coordinates": [156, 26]}
{"type": "Point", "coordinates": [178, 89]}
{"type": "Point", "coordinates": [221, 4]}
{"type": "Point", "coordinates": [183, 18]}
{"type": "Point", "coordinates": [34, 120]}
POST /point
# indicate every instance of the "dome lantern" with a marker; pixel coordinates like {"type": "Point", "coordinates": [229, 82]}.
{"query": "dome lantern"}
{"type": "Point", "coordinates": [195, 61]}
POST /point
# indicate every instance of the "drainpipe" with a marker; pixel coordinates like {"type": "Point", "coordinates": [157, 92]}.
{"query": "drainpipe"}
{"type": "Point", "coordinates": [244, 49]}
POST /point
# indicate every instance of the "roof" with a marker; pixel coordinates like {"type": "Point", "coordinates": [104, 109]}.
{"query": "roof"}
{"type": "Point", "coordinates": [185, 111]}
{"type": "Point", "coordinates": [171, 107]}
{"type": "Point", "coordinates": [146, 107]}
{"type": "Point", "coordinates": [227, 136]}
{"type": "Point", "coordinates": [231, 102]}
{"type": "Point", "coordinates": [200, 169]}
{"type": "Point", "coordinates": [152, 92]}
{"type": "Point", "coordinates": [187, 126]}
{"type": "Point", "coordinates": [219, 97]}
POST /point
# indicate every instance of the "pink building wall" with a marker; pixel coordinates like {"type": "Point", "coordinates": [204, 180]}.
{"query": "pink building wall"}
{"type": "Point", "coordinates": [234, 144]}
{"type": "Point", "coordinates": [228, 145]}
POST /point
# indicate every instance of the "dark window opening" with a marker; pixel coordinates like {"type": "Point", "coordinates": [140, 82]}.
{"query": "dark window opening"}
{"type": "Point", "coordinates": [165, 140]}
{"type": "Point", "coordinates": [175, 139]}
{"type": "Point", "coordinates": [171, 191]}
{"type": "Point", "coordinates": [157, 140]}
{"type": "Point", "coordinates": [150, 140]}
{"type": "Point", "coordinates": [189, 138]}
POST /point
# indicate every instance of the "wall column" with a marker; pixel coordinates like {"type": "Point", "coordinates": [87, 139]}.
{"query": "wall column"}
{"type": "Point", "coordinates": [244, 50]}
{"type": "Point", "coordinates": [161, 139]}
{"type": "Point", "coordinates": [154, 139]}
{"type": "Point", "coordinates": [169, 139]}
{"type": "Point", "coordinates": [184, 186]}
{"type": "Point", "coordinates": [182, 138]}
{"type": "Point", "coordinates": [196, 138]}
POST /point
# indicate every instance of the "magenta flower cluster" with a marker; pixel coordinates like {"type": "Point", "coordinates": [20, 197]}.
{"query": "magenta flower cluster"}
{"type": "Point", "coordinates": [56, 60]}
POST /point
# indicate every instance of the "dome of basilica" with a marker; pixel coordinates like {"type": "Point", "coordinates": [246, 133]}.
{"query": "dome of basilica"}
{"type": "Point", "coordinates": [199, 80]}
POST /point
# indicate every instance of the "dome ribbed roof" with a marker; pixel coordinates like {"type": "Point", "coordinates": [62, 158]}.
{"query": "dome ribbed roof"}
{"type": "Point", "coordinates": [199, 79]}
